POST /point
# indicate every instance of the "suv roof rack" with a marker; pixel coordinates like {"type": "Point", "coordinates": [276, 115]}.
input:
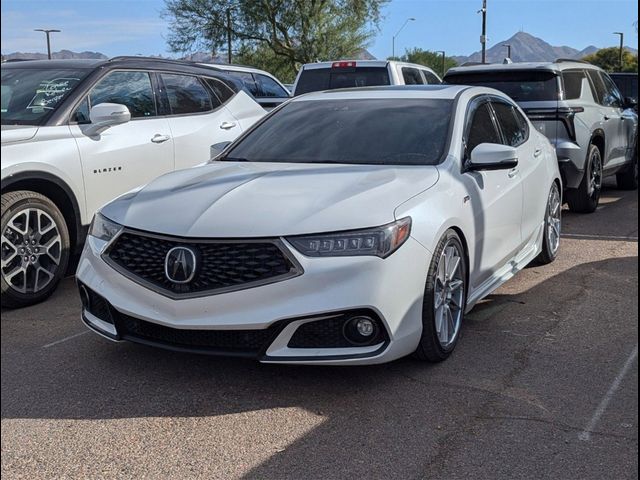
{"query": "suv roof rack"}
{"type": "Point", "coordinates": [155, 59]}
{"type": "Point", "coordinates": [562, 60]}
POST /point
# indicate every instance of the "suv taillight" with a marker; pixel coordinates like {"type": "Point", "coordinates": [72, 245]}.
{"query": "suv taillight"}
{"type": "Point", "coordinates": [562, 114]}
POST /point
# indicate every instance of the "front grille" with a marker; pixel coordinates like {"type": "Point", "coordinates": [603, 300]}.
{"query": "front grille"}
{"type": "Point", "coordinates": [222, 265]}
{"type": "Point", "coordinates": [248, 342]}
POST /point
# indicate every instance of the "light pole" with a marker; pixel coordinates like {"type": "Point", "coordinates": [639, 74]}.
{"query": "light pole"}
{"type": "Point", "coordinates": [483, 36]}
{"type": "Point", "coordinates": [621, 49]}
{"type": "Point", "coordinates": [229, 34]}
{"type": "Point", "coordinates": [47, 33]}
{"type": "Point", "coordinates": [508, 49]}
{"type": "Point", "coordinates": [393, 40]}
{"type": "Point", "coordinates": [443, 60]}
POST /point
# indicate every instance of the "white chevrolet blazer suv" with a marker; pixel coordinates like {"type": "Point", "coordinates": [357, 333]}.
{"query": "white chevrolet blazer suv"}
{"type": "Point", "coordinates": [78, 133]}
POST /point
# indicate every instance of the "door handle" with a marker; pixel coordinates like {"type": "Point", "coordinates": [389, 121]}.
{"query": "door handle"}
{"type": "Point", "coordinates": [227, 125]}
{"type": "Point", "coordinates": [157, 138]}
{"type": "Point", "coordinates": [512, 173]}
{"type": "Point", "coordinates": [607, 117]}
{"type": "Point", "coordinates": [537, 153]}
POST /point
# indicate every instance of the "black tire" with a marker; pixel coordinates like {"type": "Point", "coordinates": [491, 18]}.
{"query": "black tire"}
{"type": "Point", "coordinates": [550, 250]}
{"type": "Point", "coordinates": [583, 199]}
{"type": "Point", "coordinates": [430, 348]}
{"type": "Point", "coordinates": [627, 179]}
{"type": "Point", "coordinates": [13, 203]}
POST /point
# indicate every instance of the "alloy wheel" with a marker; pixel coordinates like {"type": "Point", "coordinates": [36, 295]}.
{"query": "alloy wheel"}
{"type": "Point", "coordinates": [31, 250]}
{"type": "Point", "coordinates": [595, 175]}
{"type": "Point", "coordinates": [554, 220]}
{"type": "Point", "coordinates": [449, 295]}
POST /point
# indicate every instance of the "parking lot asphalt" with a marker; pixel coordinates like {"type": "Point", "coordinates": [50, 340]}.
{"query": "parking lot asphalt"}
{"type": "Point", "coordinates": [543, 384]}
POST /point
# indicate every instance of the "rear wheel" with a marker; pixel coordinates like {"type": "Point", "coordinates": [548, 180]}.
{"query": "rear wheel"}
{"type": "Point", "coordinates": [552, 227]}
{"type": "Point", "coordinates": [34, 248]}
{"type": "Point", "coordinates": [628, 178]}
{"type": "Point", "coordinates": [444, 300]}
{"type": "Point", "coordinates": [586, 197]}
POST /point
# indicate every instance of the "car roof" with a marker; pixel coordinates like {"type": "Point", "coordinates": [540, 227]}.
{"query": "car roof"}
{"type": "Point", "coordinates": [556, 66]}
{"type": "Point", "coordinates": [236, 68]}
{"type": "Point", "coordinates": [445, 92]}
{"type": "Point", "coordinates": [361, 63]}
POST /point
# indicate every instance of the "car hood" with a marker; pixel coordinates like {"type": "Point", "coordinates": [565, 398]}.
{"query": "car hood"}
{"type": "Point", "coordinates": [226, 199]}
{"type": "Point", "coordinates": [17, 133]}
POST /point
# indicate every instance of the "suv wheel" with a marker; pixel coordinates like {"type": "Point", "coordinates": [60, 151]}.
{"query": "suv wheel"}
{"type": "Point", "coordinates": [552, 228]}
{"type": "Point", "coordinates": [34, 248]}
{"type": "Point", "coordinates": [586, 197]}
{"type": "Point", "coordinates": [628, 178]}
{"type": "Point", "coordinates": [445, 300]}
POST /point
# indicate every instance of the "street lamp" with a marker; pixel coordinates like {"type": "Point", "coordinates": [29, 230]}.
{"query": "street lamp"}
{"type": "Point", "coordinates": [621, 49]}
{"type": "Point", "coordinates": [443, 60]}
{"type": "Point", "coordinates": [483, 36]}
{"type": "Point", "coordinates": [47, 33]}
{"type": "Point", "coordinates": [508, 49]}
{"type": "Point", "coordinates": [393, 40]}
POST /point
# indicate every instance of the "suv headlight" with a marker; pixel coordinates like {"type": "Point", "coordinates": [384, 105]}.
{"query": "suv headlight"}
{"type": "Point", "coordinates": [103, 228]}
{"type": "Point", "coordinates": [379, 241]}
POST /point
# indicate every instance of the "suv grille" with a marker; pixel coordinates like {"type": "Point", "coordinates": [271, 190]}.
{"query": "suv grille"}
{"type": "Point", "coordinates": [222, 265]}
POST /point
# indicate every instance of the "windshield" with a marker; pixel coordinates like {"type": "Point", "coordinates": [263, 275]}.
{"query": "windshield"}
{"type": "Point", "coordinates": [316, 79]}
{"type": "Point", "coordinates": [522, 86]}
{"type": "Point", "coordinates": [363, 131]}
{"type": "Point", "coordinates": [29, 95]}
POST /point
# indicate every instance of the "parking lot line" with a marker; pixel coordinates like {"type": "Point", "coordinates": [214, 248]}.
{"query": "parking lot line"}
{"type": "Point", "coordinates": [585, 435]}
{"type": "Point", "coordinates": [64, 339]}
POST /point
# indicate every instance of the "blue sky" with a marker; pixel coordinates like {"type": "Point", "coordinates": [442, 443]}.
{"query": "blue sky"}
{"type": "Point", "coordinates": [118, 27]}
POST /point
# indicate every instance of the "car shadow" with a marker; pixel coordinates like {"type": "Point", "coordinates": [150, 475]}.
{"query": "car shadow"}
{"type": "Point", "coordinates": [386, 418]}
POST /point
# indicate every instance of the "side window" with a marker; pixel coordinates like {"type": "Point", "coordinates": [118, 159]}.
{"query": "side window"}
{"type": "Point", "coordinates": [248, 81]}
{"type": "Point", "coordinates": [599, 90]}
{"type": "Point", "coordinates": [572, 80]}
{"type": "Point", "coordinates": [132, 89]}
{"type": "Point", "coordinates": [270, 87]}
{"type": "Point", "coordinates": [431, 78]}
{"type": "Point", "coordinates": [512, 130]}
{"type": "Point", "coordinates": [220, 89]}
{"type": "Point", "coordinates": [412, 76]}
{"type": "Point", "coordinates": [612, 98]}
{"type": "Point", "coordinates": [481, 129]}
{"type": "Point", "coordinates": [186, 94]}
{"type": "Point", "coordinates": [81, 114]}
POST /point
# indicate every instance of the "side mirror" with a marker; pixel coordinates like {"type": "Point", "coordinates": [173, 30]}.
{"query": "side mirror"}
{"type": "Point", "coordinates": [492, 156]}
{"type": "Point", "coordinates": [630, 102]}
{"type": "Point", "coordinates": [216, 149]}
{"type": "Point", "coordinates": [105, 115]}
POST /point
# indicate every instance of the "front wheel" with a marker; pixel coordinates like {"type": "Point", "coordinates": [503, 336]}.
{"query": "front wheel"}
{"type": "Point", "coordinates": [445, 299]}
{"type": "Point", "coordinates": [34, 247]}
{"type": "Point", "coordinates": [552, 227]}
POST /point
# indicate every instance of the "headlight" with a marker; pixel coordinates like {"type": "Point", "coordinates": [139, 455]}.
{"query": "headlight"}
{"type": "Point", "coordinates": [103, 228]}
{"type": "Point", "coordinates": [379, 241]}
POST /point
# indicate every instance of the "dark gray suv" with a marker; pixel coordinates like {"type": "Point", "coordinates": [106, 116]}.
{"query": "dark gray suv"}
{"type": "Point", "coordinates": [582, 112]}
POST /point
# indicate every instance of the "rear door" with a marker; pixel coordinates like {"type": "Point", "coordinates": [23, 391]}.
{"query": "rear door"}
{"type": "Point", "coordinates": [124, 156]}
{"type": "Point", "coordinates": [611, 118]}
{"type": "Point", "coordinates": [497, 197]}
{"type": "Point", "coordinates": [531, 169]}
{"type": "Point", "coordinates": [196, 117]}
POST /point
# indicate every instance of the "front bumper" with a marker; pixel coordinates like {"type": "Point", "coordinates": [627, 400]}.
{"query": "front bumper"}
{"type": "Point", "coordinates": [391, 290]}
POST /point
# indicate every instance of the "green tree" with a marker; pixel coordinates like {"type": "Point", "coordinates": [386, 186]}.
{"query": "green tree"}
{"type": "Point", "coordinates": [430, 59]}
{"type": "Point", "coordinates": [287, 32]}
{"type": "Point", "coordinates": [609, 60]}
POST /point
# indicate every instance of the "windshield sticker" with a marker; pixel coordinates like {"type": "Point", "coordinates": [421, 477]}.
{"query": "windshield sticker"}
{"type": "Point", "coordinates": [49, 93]}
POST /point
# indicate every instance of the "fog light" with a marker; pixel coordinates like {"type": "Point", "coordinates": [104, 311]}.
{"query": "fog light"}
{"type": "Point", "coordinates": [361, 330]}
{"type": "Point", "coordinates": [365, 327]}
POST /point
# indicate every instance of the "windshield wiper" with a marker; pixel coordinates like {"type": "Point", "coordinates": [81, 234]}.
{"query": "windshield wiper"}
{"type": "Point", "coordinates": [233, 159]}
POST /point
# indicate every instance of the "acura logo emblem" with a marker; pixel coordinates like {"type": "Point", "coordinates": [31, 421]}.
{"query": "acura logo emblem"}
{"type": "Point", "coordinates": [180, 264]}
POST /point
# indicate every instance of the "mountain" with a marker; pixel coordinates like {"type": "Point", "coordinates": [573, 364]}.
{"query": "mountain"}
{"type": "Point", "coordinates": [62, 54]}
{"type": "Point", "coordinates": [527, 48]}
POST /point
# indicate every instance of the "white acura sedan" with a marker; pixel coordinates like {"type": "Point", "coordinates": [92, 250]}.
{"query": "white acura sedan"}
{"type": "Point", "coordinates": [347, 227]}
